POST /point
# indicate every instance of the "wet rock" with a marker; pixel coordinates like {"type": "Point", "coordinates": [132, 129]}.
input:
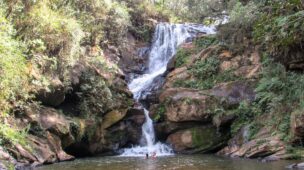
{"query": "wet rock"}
{"type": "Point", "coordinates": [296, 166]}
{"type": "Point", "coordinates": [133, 56]}
{"type": "Point", "coordinates": [171, 64]}
{"type": "Point", "coordinates": [151, 93]}
{"type": "Point", "coordinates": [197, 140]}
{"type": "Point", "coordinates": [136, 115]}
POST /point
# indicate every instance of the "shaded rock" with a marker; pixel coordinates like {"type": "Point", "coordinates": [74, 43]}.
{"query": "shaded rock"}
{"type": "Point", "coordinates": [197, 140]}
{"type": "Point", "coordinates": [235, 92]}
{"type": "Point", "coordinates": [171, 64]}
{"type": "Point", "coordinates": [136, 115]}
{"type": "Point", "coordinates": [48, 119]}
{"type": "Point", "coordinates": [76, 73]}
{"type": "Point", "coordinates": [297, 126]}
{"type": "Point", "coordinates": [164, 129]}
{"type": "Point", "coordinates": [54, 95]}
{"type": "Point", "coordinates": [133, 56]}
{"type": "Point", "coordinates": [223, 120]}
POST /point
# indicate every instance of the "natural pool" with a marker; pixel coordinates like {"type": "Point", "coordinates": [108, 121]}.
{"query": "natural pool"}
{"type": "Point", "coordinates": [177, 162]}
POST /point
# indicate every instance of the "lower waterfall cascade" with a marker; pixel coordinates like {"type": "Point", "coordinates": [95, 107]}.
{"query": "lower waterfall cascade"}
{"type": "Point", "coordinates": [166, 40]}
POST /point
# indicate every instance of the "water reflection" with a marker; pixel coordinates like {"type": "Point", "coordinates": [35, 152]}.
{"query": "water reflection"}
{"type": "Point", "coordinates": [180, 162]}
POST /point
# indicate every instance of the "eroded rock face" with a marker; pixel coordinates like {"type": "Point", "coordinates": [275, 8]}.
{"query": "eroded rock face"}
{"type": "Point", "coordinates": [197, 140]}
{"type": "Point", "coordinates": [263, 145]}
{"type": "Point", "coordinates": [184, 107]}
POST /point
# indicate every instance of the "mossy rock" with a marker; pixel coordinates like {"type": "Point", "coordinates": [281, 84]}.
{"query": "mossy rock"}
{"type": "Point", "coordinates": [113, 117]}
{"type": "Point", "coordinates": [201, 139]}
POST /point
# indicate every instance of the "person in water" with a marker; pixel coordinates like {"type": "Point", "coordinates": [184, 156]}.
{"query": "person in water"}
{"type": "Point", "coordinates": [147, 156]}
{"type": "Point", "coordinates": [153, 155]}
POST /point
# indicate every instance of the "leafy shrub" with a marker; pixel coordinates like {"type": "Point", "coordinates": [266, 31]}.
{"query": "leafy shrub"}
{"type": "Point", "coordinates": [204, 42]}
{"type": "Point", "coordinates": [281, 29]}
{"type": "Point", "coordinates": [182, 56]}
{"type": "Point", "coordinates": [9, 135]}
{"type": "Point", "coordinates": [279, 93]}
{"type": "Point", "coordinates": [280, 87]}
{"type": "Point", "coordinates": [159, 116]}
{"type": "Point", "coordinates": [240, 25]}
{"type": "Point", "coordinates": [196, 10]}
{"type": "Point", "coordinates": [13, 67]}
{"type": "Point", "coordinates": [206, 68]}
{"type": "Point", "coordinates": [117, 23]}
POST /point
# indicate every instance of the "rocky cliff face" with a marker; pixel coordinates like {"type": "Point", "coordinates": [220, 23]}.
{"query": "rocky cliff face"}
{"type": "Point", "coordinates": [93, 114]}
{"type": "Point", "coordinates": [197, 105]}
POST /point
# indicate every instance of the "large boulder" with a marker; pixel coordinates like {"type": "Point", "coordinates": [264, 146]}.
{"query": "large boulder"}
{"type": "Point", "coordinates": [187, 105]}
{"type": "Point", "coordinates": [264, 145]}
{"type": "Point", "coordinates": [183, 104]}
{"type": "Point", "coordinates": [164, 129]}
{"type": "Point", "coordinates": [234, 92]}
{"type": "Point", "coordinates": [197, 140]}
{"type": "Point", "coordinates": [48, 119]}
{"type": "Point", "coordinates": [113, 117]}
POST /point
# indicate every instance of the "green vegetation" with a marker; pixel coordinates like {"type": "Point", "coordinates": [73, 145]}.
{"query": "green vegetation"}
{"type": "Point", "coordinates": [281, 29]}
{"type": "Point", "coordinates": [13, 68]}
{"type": "Point", "coordinates": [206, 75]}
{"type": "Point", "coordinates": [44, 40]}
{"type": "Point", "coordinates": [275, 28]}
{"type": "Point", "coordinates": [9, 135]}
{"type": "Point", "coordinates": [160, 113]}
{"type": "Point", "coordinates": [279, 93]}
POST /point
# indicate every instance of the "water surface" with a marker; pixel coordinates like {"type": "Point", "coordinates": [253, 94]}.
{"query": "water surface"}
{"type": "Point", "coordinates": [178, 162]}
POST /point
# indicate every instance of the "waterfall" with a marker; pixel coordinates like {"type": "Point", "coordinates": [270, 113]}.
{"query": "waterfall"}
{"type": "Point", "coordinates": [167, 38]}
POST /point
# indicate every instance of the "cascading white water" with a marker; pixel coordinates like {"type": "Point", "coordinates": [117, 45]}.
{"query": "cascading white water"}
{"type": "Point", "coordinates": [167, 38]}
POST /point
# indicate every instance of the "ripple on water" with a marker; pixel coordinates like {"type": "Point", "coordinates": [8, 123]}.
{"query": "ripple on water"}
{"type": "Point", "coordinates": [178, 162]}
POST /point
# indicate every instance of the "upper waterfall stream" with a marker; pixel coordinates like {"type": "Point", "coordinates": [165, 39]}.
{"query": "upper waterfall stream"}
{"type": "Point", "coordinates": [167, 38]}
